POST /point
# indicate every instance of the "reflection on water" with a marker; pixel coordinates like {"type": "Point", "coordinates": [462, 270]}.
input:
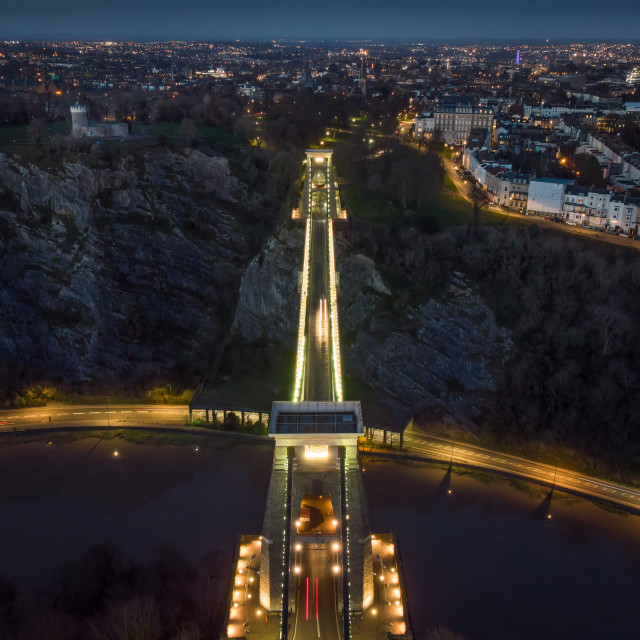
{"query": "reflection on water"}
{"type": "Point", "coordinates": [482, 559]}
{"type": "Point", "coordinates": [55, 502]}
{"type": "Point", "coordinates": [485, 560]}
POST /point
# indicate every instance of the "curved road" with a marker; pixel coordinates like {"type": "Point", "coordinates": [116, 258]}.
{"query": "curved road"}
{"type": "Point", "coordinates": [443, 449]}
{"type": "Point", "coordinates": [463, 189]}
{"type": "Point", "coordinates": [70, 416]}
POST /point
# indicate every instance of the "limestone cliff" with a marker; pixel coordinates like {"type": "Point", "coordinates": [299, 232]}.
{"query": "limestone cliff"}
{"type": "Point", "coordinates": [122, 271]}
{"type": "Point", "coordinates": [435, 359]}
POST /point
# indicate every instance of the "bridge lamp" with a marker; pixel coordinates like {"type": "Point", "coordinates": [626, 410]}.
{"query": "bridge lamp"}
{"type": "Point", "coordinates": [336, 546]}
{"type": "Point", "coordinates": [335, 523]}
{"type": "Point", "coordinates": [297, 523]}
{"type": "Point", "coordinates": [374, 612]}
{"type": "Point", "coordinates": [297, 569]}
{"type": "Point", "coordinates": [336, 568]}
{"type": "Point", "coordinates": [298, 547]}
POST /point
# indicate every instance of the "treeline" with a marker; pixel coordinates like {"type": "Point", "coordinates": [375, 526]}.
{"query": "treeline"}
{"type": "Point", "coordinates": [574, 311]}
{"type": "Point", "coordinates": [101, 596]}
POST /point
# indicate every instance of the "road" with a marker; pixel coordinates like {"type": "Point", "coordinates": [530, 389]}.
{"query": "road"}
{"type": "Point", "coordinates": [612, 238]}
{"type": "Point", "coordinates": [92, 416]}
{"type": "Point", "coordinates": [69, 416]}
{"type": "Point", "coordinates": [316, 614]}
{"type": "Point", "coordinates": [317, 380]}
{"type": "Point", "coordinates": [440, 448]}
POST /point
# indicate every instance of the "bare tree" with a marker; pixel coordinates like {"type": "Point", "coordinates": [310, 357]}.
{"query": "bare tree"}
{"type": "Point", "coordinates": [36, 131]}
{"type": "Point", "coordinates": [478, 197]}
{"type": "Point", "coordinates": [137, 619]}
{"type": "Point", "coordinates": [442, 633]}
{"type": "Point", "coordinates": [189, 130]}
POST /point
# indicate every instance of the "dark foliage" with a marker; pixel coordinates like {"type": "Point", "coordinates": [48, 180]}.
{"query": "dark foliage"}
{"type": "Point", "coordinates": [573, 308]}
{"type": "Point", "coordinates": [100, 596]}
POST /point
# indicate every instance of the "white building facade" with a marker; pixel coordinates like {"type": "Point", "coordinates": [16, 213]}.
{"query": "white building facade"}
{"type": "Point", "coordinates": [546, 196]}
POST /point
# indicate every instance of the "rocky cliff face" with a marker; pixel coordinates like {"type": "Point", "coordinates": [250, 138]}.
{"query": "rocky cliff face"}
{"type": "Point", "coordinates": [135, 272]}
{"type": "Point", "coordinates": [436, 360]}
{"type": "Point", "coordinates": [122, 273]}
{"type": "Point", "coordinates": [269, 300]}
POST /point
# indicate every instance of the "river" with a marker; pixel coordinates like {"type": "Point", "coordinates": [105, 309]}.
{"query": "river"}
{"type": "Point", "coordinates": [483, 560]}
{"type": "Point", "coordinates": [487, 562]}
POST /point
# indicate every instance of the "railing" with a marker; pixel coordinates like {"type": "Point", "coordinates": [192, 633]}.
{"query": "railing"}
{"type": "Point", "coordinates": [333, 302]}
{"type": "Point", "coordinates": [300, 356]}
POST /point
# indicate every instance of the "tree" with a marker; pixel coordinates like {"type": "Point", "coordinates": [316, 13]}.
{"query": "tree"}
{"type": "Point", "coordinates": [442, 633]}
{"type": "Point", "coordinates": [36, 131]}
{"type": "Point", "coordinates": [590, 170]}
{"type": "Point", "coordinates": [478, 197]}
{"type": "Point", "coordinates": [189, 130]}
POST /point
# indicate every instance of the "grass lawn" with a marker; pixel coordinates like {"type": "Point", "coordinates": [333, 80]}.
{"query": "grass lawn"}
{"type": "Point", "coordinates": [450, 184]}
{"type": "Point", "coordinates": [210, 135]}
{"type": "Point", "coordinates": [447, 209]}
{"type": "Point", "coordinates": [18, 133]}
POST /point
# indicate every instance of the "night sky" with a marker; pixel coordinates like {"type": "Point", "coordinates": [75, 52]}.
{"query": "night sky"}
{"type": "Point", "coordinates": [379, 19]}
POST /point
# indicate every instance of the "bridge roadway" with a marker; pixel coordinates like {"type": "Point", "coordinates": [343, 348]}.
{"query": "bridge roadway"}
{"type": "Point", "coordinates": [318, 385]}
{"type": "Point", "coordinates": [316, 596]}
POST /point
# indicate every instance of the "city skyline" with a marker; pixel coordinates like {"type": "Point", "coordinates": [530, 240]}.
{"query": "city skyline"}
{"type": "Point", "coordinates": [199, 20]}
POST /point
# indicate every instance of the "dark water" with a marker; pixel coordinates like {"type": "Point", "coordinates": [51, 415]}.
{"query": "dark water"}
{"type": "Point", "coordinates": [57, 501]}
{"type": "Point", "coordinates": [486, 562]}
{"type": "Point", "coordinates": [483, 560]}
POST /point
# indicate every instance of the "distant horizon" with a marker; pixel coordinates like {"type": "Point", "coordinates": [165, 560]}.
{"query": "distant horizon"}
{"type": "Point", "coordinates": [405, 40]}
{"type": "Point", "coordinates": [379, 20]}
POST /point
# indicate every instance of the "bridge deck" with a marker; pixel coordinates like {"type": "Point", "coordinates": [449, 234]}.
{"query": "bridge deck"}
{"type": "Point", "coordinates": [318, 380]}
